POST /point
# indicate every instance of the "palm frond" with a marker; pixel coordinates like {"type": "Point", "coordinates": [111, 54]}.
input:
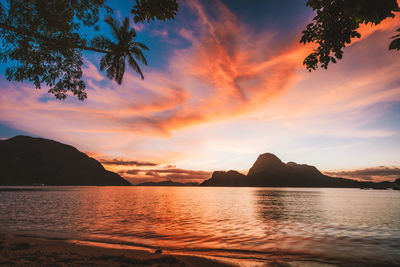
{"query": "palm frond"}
{"type": "Point", "coordinates": [102, 42]}
{"type": "Point", "coordinates": [142, 46]}
{"type": "Point", "coordinates": [115, 27]}
{"type": "Point", "coordinates": [110, 73]}
{"type": "Point", "coordinates": [106, 61]}
{"type": "Point", "coordinates": [120, 70]}
{"type": "Point", "coordinates": [138, 54]}
{"type": "Point", "coordinates": [125, 25]}
{"type": "Point", "coordinates": [135, 66]}
{"type": "Point", "coordinates": [132, 34]}
{"type": "Point", "coordinates": [109, 65]}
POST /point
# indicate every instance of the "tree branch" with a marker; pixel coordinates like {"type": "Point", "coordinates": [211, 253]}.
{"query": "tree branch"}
{"type": "Point", "coordinates": [43, 38]}
{"type": "Point", "coordinates": [90, 49]}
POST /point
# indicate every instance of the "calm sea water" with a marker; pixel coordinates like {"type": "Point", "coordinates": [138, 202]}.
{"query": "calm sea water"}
{"type": "Point", "coordinates": [252, 224]}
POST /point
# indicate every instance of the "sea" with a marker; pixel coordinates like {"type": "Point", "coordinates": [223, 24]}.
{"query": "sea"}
{"type": "Point", "coordinates": [245, 226]}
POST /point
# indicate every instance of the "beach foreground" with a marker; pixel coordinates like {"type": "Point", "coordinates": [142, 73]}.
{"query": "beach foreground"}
{"type": "Point", "coordinates": [31, 251]}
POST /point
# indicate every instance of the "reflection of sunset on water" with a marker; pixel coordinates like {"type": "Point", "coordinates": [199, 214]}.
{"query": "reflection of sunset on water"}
{"type": "Point", "coordinates": [230, 222]}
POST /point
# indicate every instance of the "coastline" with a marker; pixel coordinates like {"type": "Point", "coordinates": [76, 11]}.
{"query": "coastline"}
{"type": "Point", "coordinates": [18, 250]}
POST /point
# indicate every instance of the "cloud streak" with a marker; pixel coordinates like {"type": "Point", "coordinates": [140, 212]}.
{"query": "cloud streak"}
{"type": "Point", "coordinates": [121, 162]}
{"type": "Point", "coordinates": [381, 173]}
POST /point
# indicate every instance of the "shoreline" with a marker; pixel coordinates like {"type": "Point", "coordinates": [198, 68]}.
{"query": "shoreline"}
{"type": "Point", "coordinates": [22, 249]}
{"type": "Point", "coordinates": [38, 251]}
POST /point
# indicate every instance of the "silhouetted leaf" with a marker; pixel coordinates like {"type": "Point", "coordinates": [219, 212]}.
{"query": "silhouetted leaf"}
{"type": "Point", "coordinates": [146, 10]}
{"type": "Point", "coordinates": [336, 24]}
{"type": "Point", "coordinates": [395, 44]}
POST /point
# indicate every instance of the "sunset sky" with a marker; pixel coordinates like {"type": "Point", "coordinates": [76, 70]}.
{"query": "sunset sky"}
{"type": "Point", "coordinates": [225, 83]}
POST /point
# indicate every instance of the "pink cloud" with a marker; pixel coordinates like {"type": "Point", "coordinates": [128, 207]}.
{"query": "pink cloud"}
{"type": "Point", "coordinates": [187, 34]}
{"type": "Point", "coordinates": [138, 27]}
{"type": "Point", "coordinates": [163, 33]}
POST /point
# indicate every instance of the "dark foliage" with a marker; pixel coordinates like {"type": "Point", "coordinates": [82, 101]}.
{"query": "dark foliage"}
{"type": "Point", "coordinates": [146, 10]}
{"type": "Point", "coordinates": [336, 23]}
{"type": "Point", "coordinates": [41, 38]}
{"type": "Point", "coordinates": [42, 42]}
{"type": "Point", "coordinates": [395, 44]}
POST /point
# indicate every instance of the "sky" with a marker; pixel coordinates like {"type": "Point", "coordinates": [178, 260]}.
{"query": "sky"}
{"type": "Point", "coordinates": [225, 83]}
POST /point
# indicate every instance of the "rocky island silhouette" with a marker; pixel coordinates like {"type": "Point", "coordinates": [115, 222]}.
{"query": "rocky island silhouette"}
{"type": "Point", "coordinates": [270, 171]}
{"type": "Point", "coordinates": [27, 160]}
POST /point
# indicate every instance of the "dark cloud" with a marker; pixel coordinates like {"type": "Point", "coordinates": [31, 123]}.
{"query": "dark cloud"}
{"type": "Point", "coordinates": [182, 171]}
{"type": "Point", "coordinates": [132, 172]}
{"type": "Point", "coordinates": [127, 162]}
{"type": "Point", "coordinates": [170, 166]}
{"type": "Point", "coordinates": [370, 174]}
{"type": "Point", "coordinates": [186, 176]}
{"type": "Point", "coordinates": [151, 173]}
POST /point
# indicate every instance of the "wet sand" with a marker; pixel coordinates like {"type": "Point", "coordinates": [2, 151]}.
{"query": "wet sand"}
{"type": "Point", "coordinates": [31, 251]}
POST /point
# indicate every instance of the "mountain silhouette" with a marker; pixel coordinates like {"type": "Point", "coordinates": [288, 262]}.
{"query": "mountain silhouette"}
{"type": "Point", "coordinates": [229, 178]}
{"type": "Point", "coordinates": [27, 160]}
{"type": "Point", "coordinates": [270, 171]}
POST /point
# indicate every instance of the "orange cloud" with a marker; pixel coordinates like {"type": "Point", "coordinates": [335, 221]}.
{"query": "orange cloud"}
{"type": "Point", "coordinates": [389, 24]}
{"type": "Point", "coordinates": [121, 162]}
{"type": "Point", "coordinates": [226, 72]}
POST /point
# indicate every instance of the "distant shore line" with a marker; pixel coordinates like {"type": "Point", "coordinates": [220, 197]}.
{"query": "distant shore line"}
{"type": "Point", "coordinates": [43, 187]}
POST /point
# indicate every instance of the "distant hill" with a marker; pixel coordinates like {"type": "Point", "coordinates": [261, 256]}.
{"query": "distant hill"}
{"type": "Point", "coordinates": [229, 178]}
{"type": "Point", "coordinates": [270, 171]}
{"type": "Point", "coordinates": [167, 183]}
{"type": "Point", "coordinates": [26, 160]}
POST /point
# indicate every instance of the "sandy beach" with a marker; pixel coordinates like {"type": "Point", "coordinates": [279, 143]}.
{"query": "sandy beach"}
{"type": "Point", "coordinates": [31, 251]}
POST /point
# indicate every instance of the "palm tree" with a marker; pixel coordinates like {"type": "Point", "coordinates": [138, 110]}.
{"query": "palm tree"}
{"type": "Point", "coordinates": [117, 53]}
